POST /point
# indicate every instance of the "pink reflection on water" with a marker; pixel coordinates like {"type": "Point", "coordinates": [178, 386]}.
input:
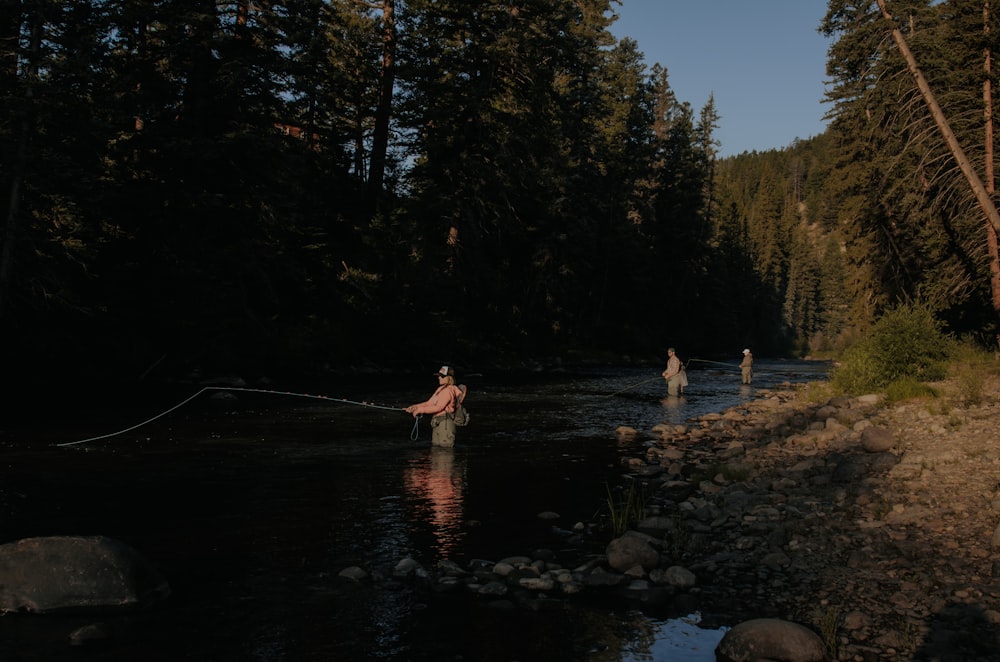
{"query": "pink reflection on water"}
{"type": "Point", "coordinates": [435, 484]}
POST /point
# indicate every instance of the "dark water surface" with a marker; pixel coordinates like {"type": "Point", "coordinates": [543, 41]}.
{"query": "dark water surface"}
{"type": "Point", "coordinates": [252, 507]}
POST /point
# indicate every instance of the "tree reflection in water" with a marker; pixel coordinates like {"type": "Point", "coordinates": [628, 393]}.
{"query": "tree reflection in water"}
{"type": "Point", "coordinates": [435, 482]}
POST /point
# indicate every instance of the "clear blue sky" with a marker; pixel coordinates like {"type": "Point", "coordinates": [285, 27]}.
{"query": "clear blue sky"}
{"type": "Point", "coordinates": [762, 59]}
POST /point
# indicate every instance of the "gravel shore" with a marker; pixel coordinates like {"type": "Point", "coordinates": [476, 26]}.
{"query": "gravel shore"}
{"type": "Point", "coordinates": [874, 523]}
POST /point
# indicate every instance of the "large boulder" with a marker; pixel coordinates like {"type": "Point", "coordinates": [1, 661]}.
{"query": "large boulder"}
{"type": "Point", "coordinates": [877, 440]}
{"type": "Point", "coordinates": [770, 639]}
{"type": "Point", "coordinates": [56, 573]}
{"type": "Point", "coordinates": [630, 550]}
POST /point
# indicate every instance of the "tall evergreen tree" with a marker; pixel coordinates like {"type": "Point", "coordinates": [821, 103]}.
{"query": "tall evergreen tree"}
{"type": "Point", "coordinates": [498, 100]}
{"type": "Point", "coordinates": [924, 229]}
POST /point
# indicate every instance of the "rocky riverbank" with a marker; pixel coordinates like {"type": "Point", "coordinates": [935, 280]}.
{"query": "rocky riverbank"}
{"type": "Point", "coordinates": [874, 524]}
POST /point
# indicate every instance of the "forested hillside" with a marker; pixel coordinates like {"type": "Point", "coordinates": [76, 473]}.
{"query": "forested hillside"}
{"type": "Point", "coordinates": [902, 183]}
{"type": "Point", "coordinates": [292, 187]}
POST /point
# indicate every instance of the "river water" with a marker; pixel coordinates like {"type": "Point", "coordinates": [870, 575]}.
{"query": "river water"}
{"type": "Point", "coordinates": [252, 506]}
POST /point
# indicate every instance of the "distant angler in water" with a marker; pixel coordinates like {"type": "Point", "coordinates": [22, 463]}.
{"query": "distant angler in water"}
{"type": "Point", "coordinates": [674, 374]}
{"type": "Point", "coordinates": [746, 366]}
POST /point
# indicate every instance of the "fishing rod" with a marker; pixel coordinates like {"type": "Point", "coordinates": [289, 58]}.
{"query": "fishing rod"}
{"type": "Point", "coordinates": [684, 365]}
{"type": "Point", "coordinates": [241, 389]}
{"type": "Point", "coordinates": [728, 365]}
{"type": "Point", "coordinates": [645, 381]}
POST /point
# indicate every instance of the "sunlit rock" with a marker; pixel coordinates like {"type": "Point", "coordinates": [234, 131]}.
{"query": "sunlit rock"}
{"type": "Point", "coordinates": [877, 439]}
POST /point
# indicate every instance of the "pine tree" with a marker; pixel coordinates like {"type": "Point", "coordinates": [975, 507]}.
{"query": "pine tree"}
{"type": "Point", "coordinates": [924, 228]}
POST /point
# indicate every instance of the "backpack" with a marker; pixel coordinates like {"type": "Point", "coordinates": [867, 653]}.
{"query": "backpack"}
{"type": "Point", "coordinates": [461, 414]}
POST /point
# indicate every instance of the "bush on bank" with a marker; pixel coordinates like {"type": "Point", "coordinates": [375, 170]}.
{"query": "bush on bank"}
{"type": "Point", "coordinates": [906, 344]}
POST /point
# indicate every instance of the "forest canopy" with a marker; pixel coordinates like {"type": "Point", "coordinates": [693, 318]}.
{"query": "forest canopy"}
{"type": "Point", "coordinates": [295, 187]}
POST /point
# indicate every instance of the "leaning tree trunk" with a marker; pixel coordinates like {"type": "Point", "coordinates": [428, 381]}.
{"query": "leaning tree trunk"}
{"type": "Point", "coordinates": [991, 232]}
{"type": "Point", "coordinates": [978, 188]}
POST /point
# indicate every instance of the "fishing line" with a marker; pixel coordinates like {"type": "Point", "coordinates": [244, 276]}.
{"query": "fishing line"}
{"type": "Point", "coordinates": [685, 364]}
{"type": "Point", "coordinates": [756, 371]}
{"type": "Point", "coordinates": [728, 365]}
{"type": "Point", "coordinates": [645, 381]}
{"type": "Point", "coordinates": [234, 388]}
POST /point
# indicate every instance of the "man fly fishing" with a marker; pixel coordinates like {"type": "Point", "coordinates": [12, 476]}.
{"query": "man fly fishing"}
{"type": "Point", "coordinates": [674, 374]}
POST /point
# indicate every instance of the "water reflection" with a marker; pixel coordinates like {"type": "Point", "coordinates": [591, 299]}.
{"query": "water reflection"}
{"type": "Point", "coordinates": [677, 640]}
{"type": "Point", "coordinates": [435, 482]}
{"type": "Point", "coordinates": [673, 402]}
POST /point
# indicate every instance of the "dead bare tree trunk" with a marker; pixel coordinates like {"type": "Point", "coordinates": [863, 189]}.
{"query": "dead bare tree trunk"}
{"type": "Point", "coordinates": [978, 188]}
{"type": "Point", "coordinates": [991, 233]}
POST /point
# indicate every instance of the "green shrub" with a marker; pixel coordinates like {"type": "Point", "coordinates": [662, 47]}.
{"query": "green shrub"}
{"type": "Point", "coordinates": [907, 388]}
{"type": "Point", "coordinates": [906, 342]}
